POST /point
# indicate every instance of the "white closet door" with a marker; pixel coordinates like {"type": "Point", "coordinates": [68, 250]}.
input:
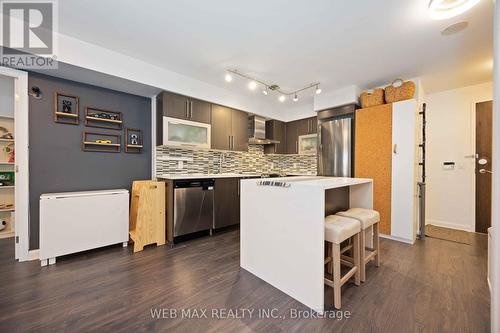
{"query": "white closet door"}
{"type": "Point", "coordinates": [404, 116]}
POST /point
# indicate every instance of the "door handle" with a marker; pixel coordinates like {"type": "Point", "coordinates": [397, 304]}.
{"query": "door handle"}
{"type": "Point", "coordinates": [395, 149]}
{"type": "Point", "coordinates": [483, 171]}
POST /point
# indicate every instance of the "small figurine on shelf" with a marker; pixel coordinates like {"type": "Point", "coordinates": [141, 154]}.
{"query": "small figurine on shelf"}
{"type": "Point", "coordinates": [9, 149]}
{"type": "Point", "coordinates": [66, 106]}
{"type": "Point", "coordinates": [3, 225]}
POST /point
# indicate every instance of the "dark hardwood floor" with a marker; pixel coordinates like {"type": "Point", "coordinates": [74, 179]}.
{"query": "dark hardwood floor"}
{"type": "Point", "coordinates": [433, 286]}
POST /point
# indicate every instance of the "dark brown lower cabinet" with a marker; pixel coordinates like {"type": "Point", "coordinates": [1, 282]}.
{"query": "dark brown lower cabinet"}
{"type": "Point", "coordinates": [226, 202]}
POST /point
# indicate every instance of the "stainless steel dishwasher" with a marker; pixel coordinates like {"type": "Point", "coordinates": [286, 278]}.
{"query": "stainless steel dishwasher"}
{"type": "Point", "coordinates": [193, 206]}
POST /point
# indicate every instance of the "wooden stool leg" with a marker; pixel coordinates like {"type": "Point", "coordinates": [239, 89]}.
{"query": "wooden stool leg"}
{"type": "Point", "coordinates": [376, 245]}
{"type": "Point", "coordinates": [357, 259]}
{"type": "Point", "coordinates": [336, 275]}
{"type": "Point", "coordinates": [329, 266]}
{"type": "Point", "coordinates": [362, 264]}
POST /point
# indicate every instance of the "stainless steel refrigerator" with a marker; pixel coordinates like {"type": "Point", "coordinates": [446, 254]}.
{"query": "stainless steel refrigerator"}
{"type": "Point", "coordinates": [335, 145]}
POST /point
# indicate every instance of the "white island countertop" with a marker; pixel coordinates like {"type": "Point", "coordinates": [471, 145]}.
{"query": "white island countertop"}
{"type": "Point", "coordinates": [321, 182]}
{"type": "Point", "coordinates": [282, 222]}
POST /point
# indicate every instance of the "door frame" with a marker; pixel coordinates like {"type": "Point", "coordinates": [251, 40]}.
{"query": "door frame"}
{"type": "Point", "coordinates": [21, 130]}
{"type": "Point", "coordinates": [472, 159]}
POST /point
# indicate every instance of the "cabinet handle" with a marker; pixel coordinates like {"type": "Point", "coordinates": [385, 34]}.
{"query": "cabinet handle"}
{"type": "Point", "coordinates": [230, 142]}
{"type": "Point", "coordinates": [191, 109]}
{"type": "Point", "coordinates": [297, 147]}
{"type": "Point", "coordinates": [187, 109]}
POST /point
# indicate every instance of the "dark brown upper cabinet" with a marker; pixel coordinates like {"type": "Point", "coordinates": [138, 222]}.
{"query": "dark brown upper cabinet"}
{"type": "Point", "coordinates": [182, 107]}
{"type": "Point", "coordinates": [292, 137]}
{"type": "Point", "coordinates": [229, 129]}
{"type": "Point", "coordinates": [308, 126]}
{"type": "Point", "coordinates": [276, 130]}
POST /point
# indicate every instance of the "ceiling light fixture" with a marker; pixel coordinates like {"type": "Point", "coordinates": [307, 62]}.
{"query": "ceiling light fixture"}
{"type": "Point", "coordinates": [445, 9]}
{"type": "Point", "coordinates": [228, 77]}
{"type": "Point", "coordinates": [254, 83]}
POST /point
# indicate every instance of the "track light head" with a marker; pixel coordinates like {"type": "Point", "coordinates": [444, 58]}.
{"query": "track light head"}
{"type": "Point", "coordinates": [318, 90]}
{"type": "Point", "coordinates": [295, 98]}
{"type": "Point", "coordinates": [228, 77]}
{"type": "Point", "coordinates": [252, 85]}
{"type": "Point", "coordinates": [282, 98]}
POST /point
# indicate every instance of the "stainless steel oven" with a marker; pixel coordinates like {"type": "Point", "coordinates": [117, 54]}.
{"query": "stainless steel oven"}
{"type": "Point", "coordinates": [193, 206]}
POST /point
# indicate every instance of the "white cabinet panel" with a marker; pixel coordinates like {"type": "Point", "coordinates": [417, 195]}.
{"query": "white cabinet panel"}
{"type": "Point", "coordinates": [403, 223]}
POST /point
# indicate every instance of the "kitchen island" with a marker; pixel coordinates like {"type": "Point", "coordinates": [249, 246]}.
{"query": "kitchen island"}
{"type": "Point", "coordinates": [282, 229]}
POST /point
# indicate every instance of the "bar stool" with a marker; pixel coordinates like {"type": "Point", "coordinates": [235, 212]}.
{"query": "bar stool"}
{"type": "Point", "coordinates": [367, 218]}
{"type": "Point", "coordinates": [337, 230]}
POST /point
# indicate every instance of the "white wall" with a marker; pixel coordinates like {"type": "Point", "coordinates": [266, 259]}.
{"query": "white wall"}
{"type": "Point", "coordinates": [451, 137]}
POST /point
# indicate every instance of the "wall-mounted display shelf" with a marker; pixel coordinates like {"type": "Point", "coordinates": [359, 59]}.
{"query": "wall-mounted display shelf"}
{"type": "Point", "coordinates": [134, 142]}
{"type": "Point", "coordinates": [103, 119]}
{"type": "Point", "coordinates": [101, 142]}
{"type": "Point", "coordinates": [66, 109]}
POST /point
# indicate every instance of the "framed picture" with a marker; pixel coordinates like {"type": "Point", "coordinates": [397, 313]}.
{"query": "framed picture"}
{"type": "Point", "coordinates": [66, 109]}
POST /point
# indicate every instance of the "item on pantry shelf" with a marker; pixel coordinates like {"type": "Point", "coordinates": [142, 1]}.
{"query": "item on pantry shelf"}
{"type": "Point", "coordinates": [6, 206]}
{"type": "Point", "coordinates": [3, 225]}
{"type": "Point", "coordinates": [7, 178]}
{"type": "Point", "coordinates": [372, 97]}
{"type": "Point", "coordinates": [399, 90]}
{"type": "Point", "coordinates": [6, 134]}
{"type": "Point", "coordinates": [9, 149]}
{"type": "Point", "coordinates": [103, 141]}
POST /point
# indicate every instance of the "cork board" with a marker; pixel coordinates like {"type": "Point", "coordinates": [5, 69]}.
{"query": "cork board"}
{"type": "Point", "coordinates": [373, 157]}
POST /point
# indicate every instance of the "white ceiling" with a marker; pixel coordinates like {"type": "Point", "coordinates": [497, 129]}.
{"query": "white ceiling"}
{"type": "Point", "coordinates": [291, 43]}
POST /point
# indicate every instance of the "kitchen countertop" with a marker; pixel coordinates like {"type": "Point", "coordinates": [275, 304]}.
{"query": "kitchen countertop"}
{"type": "Point", "coordinates": [209, 176]}
{"type": "Point", "coordinates": [219, 175]}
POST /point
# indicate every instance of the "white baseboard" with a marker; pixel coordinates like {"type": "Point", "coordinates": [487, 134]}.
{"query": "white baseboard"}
{"type": "Point", "coordinates": [398, 239]}
{"type": "Point", "coordinates": [34, 255]}
{"type": "Point", "coordinates": [446, 224]}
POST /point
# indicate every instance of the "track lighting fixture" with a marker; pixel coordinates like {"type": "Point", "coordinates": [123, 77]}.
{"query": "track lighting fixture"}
{"type": "Point", "coordinates": [254, 83]}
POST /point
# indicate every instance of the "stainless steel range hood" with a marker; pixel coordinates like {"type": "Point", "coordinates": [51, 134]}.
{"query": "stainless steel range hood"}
{"type": "Point", "coordinates": [257, 131]}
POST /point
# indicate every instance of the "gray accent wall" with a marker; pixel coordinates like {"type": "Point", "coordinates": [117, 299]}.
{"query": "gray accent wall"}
{"type": "Point", "coordinates": [56, 160]}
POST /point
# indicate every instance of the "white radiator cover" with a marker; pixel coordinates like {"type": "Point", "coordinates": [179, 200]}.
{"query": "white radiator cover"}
{"type": "Point", "coordinates": [78, 221]}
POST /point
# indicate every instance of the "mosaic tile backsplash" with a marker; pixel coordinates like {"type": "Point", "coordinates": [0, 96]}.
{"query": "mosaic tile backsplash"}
{"type": "Point", "coordinates": [216, 161]}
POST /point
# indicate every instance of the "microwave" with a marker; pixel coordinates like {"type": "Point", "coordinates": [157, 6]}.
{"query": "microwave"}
{"type": "Point", "coordinates": [185, 133]}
